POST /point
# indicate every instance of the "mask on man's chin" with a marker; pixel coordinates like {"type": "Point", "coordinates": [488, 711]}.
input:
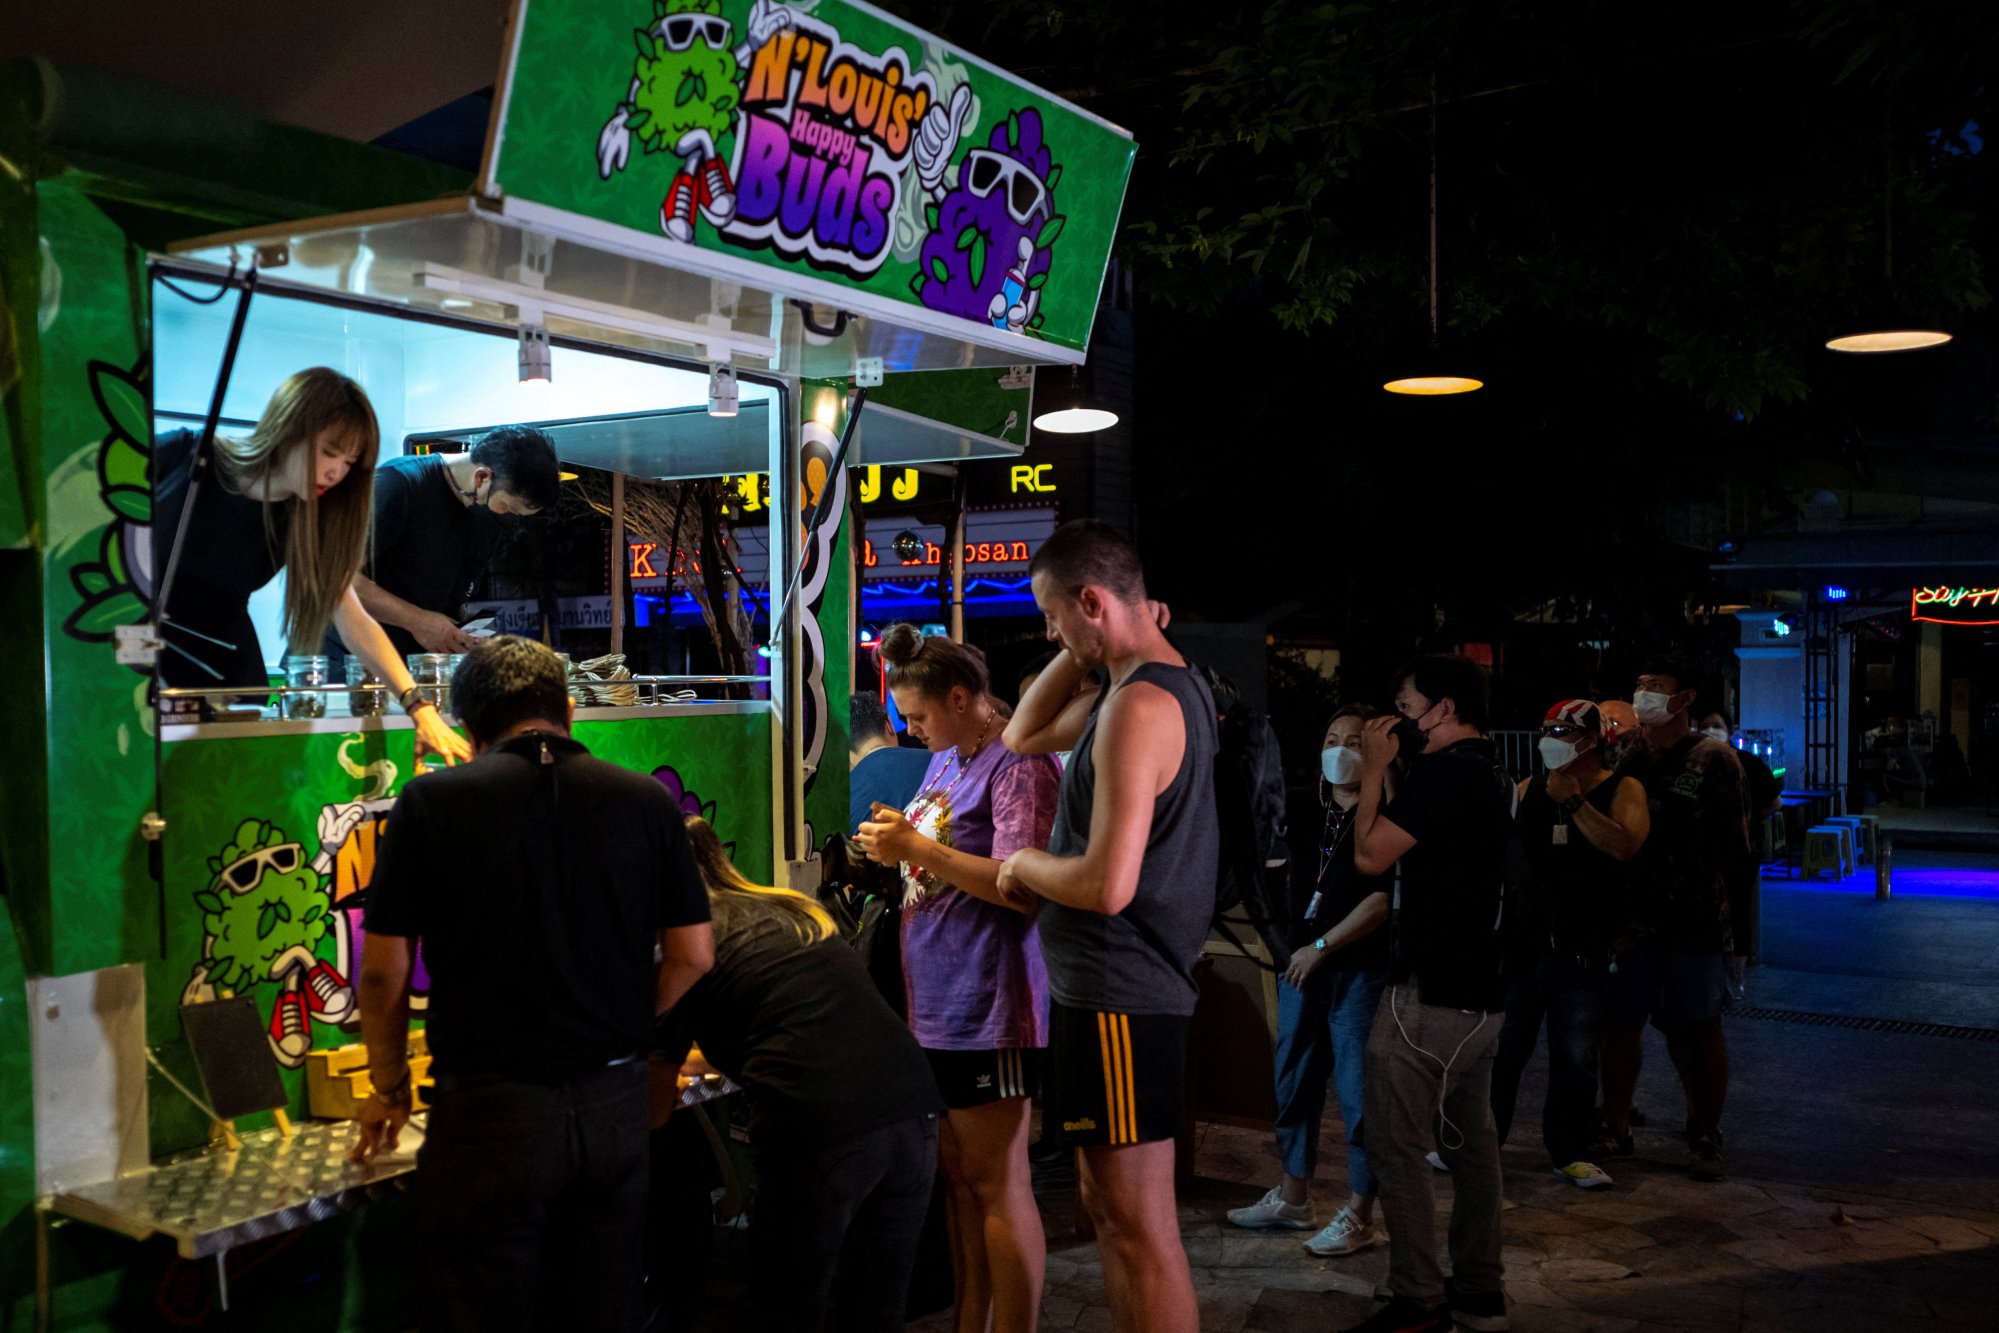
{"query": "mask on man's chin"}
{"type": "Point", "coordinates": [1412, 736]}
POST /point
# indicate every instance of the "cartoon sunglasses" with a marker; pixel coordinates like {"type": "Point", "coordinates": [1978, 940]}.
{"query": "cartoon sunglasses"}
{"type": "Point", "coordinates": [1025, 194]}
{"type": "Point", "coordinates": [242, 874]}
{"type": "Point", "coordinates": [680, 30]}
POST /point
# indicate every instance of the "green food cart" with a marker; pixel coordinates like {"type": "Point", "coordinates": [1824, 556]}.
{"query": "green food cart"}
{"type": "Point", "coordinates": [707, 238]}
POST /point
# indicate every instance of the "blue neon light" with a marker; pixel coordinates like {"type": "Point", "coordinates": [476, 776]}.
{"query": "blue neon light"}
{"type": "Point", "coordinates": [1833, 594]}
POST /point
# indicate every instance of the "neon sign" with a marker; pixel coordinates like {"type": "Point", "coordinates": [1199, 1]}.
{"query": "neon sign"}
{"type": "Point", "coordinates": [1931, 603]}
{"type": "Point", "coordinates": [976, 553]}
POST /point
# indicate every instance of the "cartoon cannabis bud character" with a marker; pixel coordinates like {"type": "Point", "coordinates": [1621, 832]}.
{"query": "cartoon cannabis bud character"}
{"type": "Point", "coordinates": [264, 916]}
{"type": "Point", "coordinates": [683, 99]}
{"type": "Point", "coordinates": [992, 217]}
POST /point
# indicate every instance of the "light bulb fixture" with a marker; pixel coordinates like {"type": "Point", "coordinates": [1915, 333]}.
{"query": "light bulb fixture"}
{"type": "Point", "coordinates": [907, 545]}
{"type": "Point", "coordinates": [1433, 386]}
{"type": "Point", "coordinates": [537, 361]}
{"type": "Point", "coordinates": [1066, 407]}
{"type": "Point", "coordinates": [567, 476]}
{"type": "Point", "coordinates": [723, 396]}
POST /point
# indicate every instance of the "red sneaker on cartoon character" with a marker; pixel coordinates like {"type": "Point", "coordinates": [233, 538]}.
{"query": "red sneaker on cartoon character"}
{"type": "Point", "coordinates": [291, 1033]}
{"type": "Point", "coordinates": [676, 214]}
{"type": "Point", "coordinates": [718, 192]}
{"type": "Point", "coordinates": [327, 994]}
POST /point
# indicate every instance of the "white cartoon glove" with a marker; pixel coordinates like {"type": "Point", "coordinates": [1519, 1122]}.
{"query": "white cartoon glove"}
{"type": "Point", "coordinates": [336, 822]}
{"type": "Point", "coordinates": [937, 136]}
{"type": "Point", "coordinates": [1023, 308]}
{"type": "Point", "coordinates": [765, 20]}
{"type": "Point", "coordinates": [614, 145]}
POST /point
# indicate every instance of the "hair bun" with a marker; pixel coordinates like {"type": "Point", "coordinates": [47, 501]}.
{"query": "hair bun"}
{"type": "Point", "coordinates": [901, 644]}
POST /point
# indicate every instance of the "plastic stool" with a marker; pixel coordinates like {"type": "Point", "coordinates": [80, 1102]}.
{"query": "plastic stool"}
{"type": "Point", "coordinates": [1870, 831]}
{"type": "Point", "coordinates": [1823, 851]}
{"type": "Point", "coordinates": [1859, 831]}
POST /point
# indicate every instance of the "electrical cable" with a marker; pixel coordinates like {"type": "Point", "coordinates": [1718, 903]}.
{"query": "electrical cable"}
{"type": "Point", "coordinates": [221, 290]}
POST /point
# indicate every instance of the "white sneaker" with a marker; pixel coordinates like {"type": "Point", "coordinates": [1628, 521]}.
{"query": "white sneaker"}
{"type": "Point", "coordinates": [1272, 1211]}
{"type": "Point", "coordinates": [1345, 1234]}
{"type": "Point", "coordinates": [1436, 1162]}
{"type": "Point", "coordinates": [1584, 1175]}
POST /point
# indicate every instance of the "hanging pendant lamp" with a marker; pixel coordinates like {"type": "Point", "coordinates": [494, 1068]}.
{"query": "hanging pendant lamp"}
{"type": "Point", "coordinates": [1433, 386]}
{"type": "Point", "coordinates": [1886, 327]}
{"type": "Point", "coordinates": [1065, 404]}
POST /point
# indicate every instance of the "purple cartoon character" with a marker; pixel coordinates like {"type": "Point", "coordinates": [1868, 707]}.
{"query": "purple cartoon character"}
{"type": "Point", "coordinates": [992, 217]}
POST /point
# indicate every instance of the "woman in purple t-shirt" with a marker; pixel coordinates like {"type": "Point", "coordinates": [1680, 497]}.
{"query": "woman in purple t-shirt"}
{"type": "Point", "coordinates": [976, 985]}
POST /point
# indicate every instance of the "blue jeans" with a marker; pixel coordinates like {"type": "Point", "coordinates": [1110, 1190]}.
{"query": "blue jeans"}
{"type": "Point", "coordinates": [1323, 1030]}
{"type": "Point", "coordinates": [1571, 995]}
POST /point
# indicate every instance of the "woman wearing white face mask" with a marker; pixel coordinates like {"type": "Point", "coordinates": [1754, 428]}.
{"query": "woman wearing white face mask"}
{"type": "Point", "coordinates": [1579, 824]}
{"type": "Point", "coordinates": [1326, 1004]}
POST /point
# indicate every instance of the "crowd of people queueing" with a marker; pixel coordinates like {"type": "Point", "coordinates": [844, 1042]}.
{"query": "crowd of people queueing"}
{"type": "Point", "coordinates": [1054, 869]}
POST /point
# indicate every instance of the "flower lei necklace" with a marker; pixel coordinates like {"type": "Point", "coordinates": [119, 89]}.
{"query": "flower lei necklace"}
{"type": "Point", "coordinates": [923, 806]}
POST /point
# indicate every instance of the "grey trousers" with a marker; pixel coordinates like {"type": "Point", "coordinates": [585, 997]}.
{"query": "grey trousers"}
{"type": "Point", "coordinates": [1407, 1053]}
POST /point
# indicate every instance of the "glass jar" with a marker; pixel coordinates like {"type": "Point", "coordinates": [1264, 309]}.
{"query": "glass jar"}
{"type": "Point", "coordinates": [364, 702]}
{"type": "Point", "coordinates": [432, 674]}
{"type": "Point", "coordinates": [313, 672]}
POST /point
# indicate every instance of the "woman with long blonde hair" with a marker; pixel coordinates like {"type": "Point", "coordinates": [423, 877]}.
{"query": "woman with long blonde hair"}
{"type": "Point", "coordinates": [845, 1132]}
{"type": "Point", "coordinates": [293, 495]}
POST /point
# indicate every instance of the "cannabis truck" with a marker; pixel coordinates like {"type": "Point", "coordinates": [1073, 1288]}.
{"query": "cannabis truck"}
{"type": "Point", "coordinates": [706, 239]}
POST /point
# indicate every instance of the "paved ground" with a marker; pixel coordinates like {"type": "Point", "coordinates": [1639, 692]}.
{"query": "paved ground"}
{"type": "Point", "coordinates": [1864, 1189]}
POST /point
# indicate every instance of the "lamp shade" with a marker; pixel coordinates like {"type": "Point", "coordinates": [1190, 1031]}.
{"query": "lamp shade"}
{"type": "Point", "coordinates": [1065, 405]}
{"type": "Point", "coordinates": [1433, 386]}
{"type": "Point", "coordinates": [1884, 324]}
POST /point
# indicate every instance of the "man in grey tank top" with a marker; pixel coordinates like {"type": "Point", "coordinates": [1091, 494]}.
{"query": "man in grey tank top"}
{"type": "Point", "coordinates": [1125, 893]}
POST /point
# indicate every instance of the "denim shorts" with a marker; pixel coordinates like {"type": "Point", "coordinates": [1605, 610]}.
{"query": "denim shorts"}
{"type": "Point", "coordinates": [1675, 988]}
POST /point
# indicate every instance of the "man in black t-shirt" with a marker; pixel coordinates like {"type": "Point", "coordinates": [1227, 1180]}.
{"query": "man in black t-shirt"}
{"type": "Point", "coordinates": [543, 883]}
{"type": "Point", "coordinates": [424, 549]}
{"type": "Point", "coordinates": [1429, 1058]}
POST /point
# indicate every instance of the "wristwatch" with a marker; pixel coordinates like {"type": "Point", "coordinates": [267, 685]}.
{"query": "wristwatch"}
{"type": "Point", "coordinates": [414, 698]}
{"type": "Point", "coordinates": [1573, 804]}
{"type": "Point", "coordinates": [1320, 944]}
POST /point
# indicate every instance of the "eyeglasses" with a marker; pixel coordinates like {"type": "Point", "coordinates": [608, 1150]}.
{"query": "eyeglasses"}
{"type": "Point", "coordinates": [242, 875]}
{"type": "Point", "coordinates": [1565, 729]}
{"type": "Point", "coordinates": [680, 30]}
{"type": "Point", "coordinates": [1025, 194]}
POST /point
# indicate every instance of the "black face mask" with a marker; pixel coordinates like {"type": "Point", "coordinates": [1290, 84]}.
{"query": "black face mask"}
{"type": "Point", "coordinates": [1411, 735]}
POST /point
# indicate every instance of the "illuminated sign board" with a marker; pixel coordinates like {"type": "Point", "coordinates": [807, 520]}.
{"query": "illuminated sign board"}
{"type": "Point", "coordinates": [1947, 605]}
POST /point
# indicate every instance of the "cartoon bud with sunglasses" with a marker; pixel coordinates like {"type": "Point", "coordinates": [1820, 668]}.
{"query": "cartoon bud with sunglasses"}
{"type": "Point", "coordinates": [683, 100]}
{"type": "Point", "coordinates": [264, 916]}
{"type": "Point", "coordinates": [992, 221]}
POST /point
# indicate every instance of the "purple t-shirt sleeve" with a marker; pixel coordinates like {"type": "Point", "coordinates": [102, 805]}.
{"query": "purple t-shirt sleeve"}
{"type": "Point", "coordinates": [1024, 797]}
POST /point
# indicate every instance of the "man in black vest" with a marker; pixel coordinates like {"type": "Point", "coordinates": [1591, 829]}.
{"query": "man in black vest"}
{"type": "Point", "coordinates": [560, 914]}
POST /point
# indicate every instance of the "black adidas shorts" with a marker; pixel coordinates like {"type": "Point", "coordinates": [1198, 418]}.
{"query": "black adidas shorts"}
{"type": "Point", "coordinates": [975, 1078]}
{"type": "Point", "coordinates": [1115, 1079]}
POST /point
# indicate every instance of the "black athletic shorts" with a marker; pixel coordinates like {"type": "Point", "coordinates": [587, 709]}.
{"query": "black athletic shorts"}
{"type": "Point", "coordinates": [1115, 1079]}
{"type": "Point", "coordinates": [974, 1078]}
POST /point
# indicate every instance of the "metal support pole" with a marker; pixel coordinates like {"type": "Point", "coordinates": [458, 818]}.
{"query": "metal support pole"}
{"type": "Point", "coordinates": [958, 564]}
{"type": "Point", "coordinates": [618, 562]}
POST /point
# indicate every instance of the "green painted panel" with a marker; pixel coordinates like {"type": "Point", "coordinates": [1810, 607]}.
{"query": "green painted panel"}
{"type": "Point", "coordinates": [824, 139]}
{"type": "Point", "coordinates": [989, 401]}
{"type": "Point", "coordinates": [269, 835]}
{"type": "Point", "coordinates": [93, 445]}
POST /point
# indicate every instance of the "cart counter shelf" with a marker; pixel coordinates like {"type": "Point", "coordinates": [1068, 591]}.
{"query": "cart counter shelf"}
{"type": "Point", "coordinates": [344, 724]}
{"type": "Point", "coordinates": [213, 1199]}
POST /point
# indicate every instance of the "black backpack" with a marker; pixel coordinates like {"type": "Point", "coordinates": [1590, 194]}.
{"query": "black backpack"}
{"type": "Point", "coordinates": [1252, 875]}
